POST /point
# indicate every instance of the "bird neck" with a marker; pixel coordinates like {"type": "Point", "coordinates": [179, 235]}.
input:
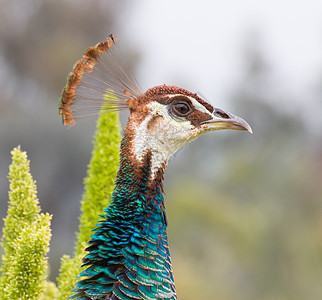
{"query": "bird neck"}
{"type": "Point", "coordinates": [138, 186]}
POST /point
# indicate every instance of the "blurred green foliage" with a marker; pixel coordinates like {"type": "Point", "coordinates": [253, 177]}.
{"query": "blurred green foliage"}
{"type": "Point", "coordinates": [98, 191]}
{"type": "Point", "coordinates": [248, 224]}
{"type": "Point", "coordinates": [25, 237]}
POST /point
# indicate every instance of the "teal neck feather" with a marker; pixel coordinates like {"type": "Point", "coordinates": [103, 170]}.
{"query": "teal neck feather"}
{"type": "Point", "coordinates": [129, 256]}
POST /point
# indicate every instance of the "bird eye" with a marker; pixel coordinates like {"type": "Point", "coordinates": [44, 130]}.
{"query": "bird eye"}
{"type": "Point", "coordinates": [181, 108]}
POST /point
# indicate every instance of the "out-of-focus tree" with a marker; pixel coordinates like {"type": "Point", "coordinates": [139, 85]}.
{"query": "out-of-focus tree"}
{"type": "Point", "coordinates": [251, 228]}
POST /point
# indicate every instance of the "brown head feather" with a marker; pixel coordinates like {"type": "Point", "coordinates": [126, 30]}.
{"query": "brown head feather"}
{"type": "Point", "coordinates": [85, 65]}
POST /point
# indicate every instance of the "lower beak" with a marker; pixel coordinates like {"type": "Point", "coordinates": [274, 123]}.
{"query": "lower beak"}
{"type": "Point", "coordinates": [226, 120]}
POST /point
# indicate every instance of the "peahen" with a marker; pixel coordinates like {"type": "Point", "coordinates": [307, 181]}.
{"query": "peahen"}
{"type": "Point", "coordinates": [129, 256]}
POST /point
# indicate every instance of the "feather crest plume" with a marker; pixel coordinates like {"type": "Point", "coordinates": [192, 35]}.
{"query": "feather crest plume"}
{"type": "Point", "coordinates": [99, 78]}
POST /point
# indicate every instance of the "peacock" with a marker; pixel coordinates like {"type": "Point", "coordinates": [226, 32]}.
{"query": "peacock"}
{"type": "Point", "coordinates": [128, 254]}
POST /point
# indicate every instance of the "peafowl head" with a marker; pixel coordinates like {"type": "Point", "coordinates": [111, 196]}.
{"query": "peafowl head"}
{"type": "Point", "coordinates": [165, 118]}
{"type": "Point", "coordinates": [162, 120]}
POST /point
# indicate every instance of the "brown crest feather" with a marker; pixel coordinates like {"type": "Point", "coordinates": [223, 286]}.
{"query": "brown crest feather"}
{"type": "Point", "coordinates": [95, 81]}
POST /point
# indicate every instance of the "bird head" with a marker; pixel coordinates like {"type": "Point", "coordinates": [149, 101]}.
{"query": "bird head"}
{"type": "Point", "coordinates": [165, 118]}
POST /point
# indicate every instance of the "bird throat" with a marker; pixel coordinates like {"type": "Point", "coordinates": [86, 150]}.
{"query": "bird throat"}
{"type": "Point", "coordinates": [139, 177]}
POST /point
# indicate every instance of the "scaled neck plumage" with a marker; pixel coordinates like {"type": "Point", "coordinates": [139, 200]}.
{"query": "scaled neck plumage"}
{"type": "Point", "coordinates": [138, 178]}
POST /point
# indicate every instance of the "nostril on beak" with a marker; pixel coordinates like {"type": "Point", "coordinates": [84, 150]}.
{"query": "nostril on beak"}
{"type": "Point", "coordinates": [220, 113]}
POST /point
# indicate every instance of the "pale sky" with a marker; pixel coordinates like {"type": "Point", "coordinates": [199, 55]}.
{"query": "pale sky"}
{"type": "Point", "coordinates": [198, 44]}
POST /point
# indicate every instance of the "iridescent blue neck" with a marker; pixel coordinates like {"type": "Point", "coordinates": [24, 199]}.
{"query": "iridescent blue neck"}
{"type": "Point", "coordinates": [129, 256]}
{"type": "Point", "coordinates": [134, 188]}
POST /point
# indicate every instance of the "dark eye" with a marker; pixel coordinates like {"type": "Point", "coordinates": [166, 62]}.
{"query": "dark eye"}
{"type": "Point", "coordinates": [181, 108]}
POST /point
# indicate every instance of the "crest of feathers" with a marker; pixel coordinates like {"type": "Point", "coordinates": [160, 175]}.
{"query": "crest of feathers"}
{"type": "Point", "coordinates": [99, 77]}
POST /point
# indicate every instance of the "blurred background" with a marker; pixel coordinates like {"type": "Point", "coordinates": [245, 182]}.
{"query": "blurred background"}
{"type": "Point", "coordinates": [245, 211]}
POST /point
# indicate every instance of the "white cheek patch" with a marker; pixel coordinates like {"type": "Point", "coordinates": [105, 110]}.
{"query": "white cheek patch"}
{"type": "Point", "coordinates": [165, 138]}
{"type": "Point", "coordinates": [140, 140]}
{"type": "Point", "coordinates": [166, 134]}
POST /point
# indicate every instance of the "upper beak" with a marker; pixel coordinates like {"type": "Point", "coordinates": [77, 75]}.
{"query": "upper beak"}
{"type": "Point", "coordinates": [226, 120]}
